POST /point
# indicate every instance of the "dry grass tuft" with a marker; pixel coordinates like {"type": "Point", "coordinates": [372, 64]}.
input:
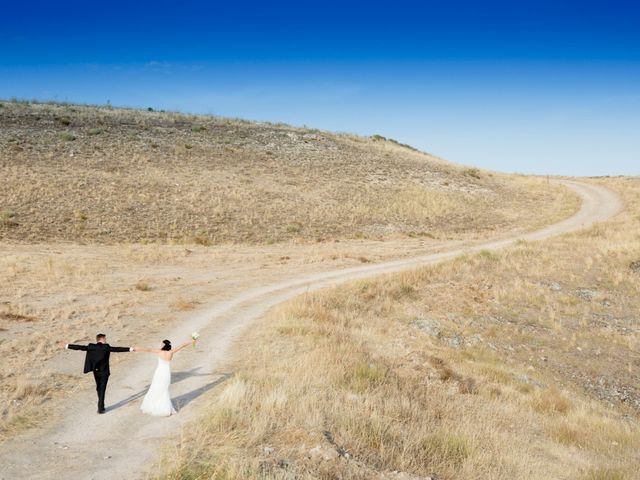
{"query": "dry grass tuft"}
{"type": "Point", "coordinates": [550, 400]}
{"type": "Point", "coordinates": [184, 305]}
{"type": "Point", "coordinates": [16, 317]}
{"type": "Point", "coordinates": [8, 219]}
{"type": "Point", "coordinates": [605, 473]}
{"type": "Point", "coordinates": [143, 286]}
{"type": "Point", "coordinates": [446, 447]}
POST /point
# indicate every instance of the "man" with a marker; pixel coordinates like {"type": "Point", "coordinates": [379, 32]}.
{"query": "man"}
{"type": "Point", "coordinates": [97, 361]}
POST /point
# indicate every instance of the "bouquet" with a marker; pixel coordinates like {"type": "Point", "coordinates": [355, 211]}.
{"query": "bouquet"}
{"type": "Point", "coordinates": [195, 336]}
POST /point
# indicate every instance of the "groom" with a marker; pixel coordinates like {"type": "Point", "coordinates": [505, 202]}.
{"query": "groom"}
{"type": "Point", "coordinates": [97, 361]}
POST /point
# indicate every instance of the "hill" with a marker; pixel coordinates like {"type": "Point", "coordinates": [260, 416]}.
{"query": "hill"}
{"type": "Point", "coordinates": [98, 174]}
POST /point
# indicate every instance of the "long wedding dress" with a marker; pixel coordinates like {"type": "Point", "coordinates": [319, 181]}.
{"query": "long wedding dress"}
{"type": "Point", "coordinates": [157, 401]}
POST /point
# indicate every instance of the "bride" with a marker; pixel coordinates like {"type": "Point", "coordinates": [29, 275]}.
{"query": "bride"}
{"type": "Point", "coordinates": [157, 401]}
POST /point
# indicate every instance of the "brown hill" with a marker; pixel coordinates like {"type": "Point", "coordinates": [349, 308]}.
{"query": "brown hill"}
{"type": "Point", "coordinates": [81, 173]}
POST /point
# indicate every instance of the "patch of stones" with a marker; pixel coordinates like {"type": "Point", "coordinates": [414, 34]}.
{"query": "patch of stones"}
{"type": "Point", "coordinates": [529, 381]}
{"type": "Point", "coordinates": [553, 286]}
{"type": "Point", "coordinates": [612, 392]}
{"type": "Point", "coordinates": [623, 326]}
{"type": "Point", "coordinates": [585, 294]}
{"type": "Point", "coordinates": [428, 325]}
{"type": "Point", "coordinates": [330, 451]}
{"type": "Point", "coordinates": [434, 329]}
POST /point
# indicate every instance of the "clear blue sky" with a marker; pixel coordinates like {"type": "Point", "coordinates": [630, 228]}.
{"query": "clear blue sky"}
{"type": "Point", "coordinates": [539, 86]}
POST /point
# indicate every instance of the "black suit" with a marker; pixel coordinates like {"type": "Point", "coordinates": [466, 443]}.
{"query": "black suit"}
{"type": "Point", "coordinates": [97, 361]}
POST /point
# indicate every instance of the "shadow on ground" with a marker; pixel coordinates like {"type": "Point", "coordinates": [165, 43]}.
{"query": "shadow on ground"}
{"type": "Point", "coordinates": [183, 400]}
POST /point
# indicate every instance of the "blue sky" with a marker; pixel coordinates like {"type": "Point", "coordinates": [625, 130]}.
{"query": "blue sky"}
{"type": "Point", "coordinates": [536, 87]}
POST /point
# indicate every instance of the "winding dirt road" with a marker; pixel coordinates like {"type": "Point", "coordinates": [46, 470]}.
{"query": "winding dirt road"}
{"type": "Point", "coordinates": [124, 443]}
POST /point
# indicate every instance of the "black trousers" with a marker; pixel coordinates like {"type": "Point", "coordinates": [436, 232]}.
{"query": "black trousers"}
{"type": "Point", "coordinates": [101, 387]}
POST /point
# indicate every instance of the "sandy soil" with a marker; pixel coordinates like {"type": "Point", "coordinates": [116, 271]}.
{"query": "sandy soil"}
{"type": "Point", "coordinates": [123, 443]}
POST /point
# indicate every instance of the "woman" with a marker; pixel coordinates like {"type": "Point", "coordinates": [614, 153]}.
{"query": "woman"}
{"type": "Point", "coordinates": [157, 401]}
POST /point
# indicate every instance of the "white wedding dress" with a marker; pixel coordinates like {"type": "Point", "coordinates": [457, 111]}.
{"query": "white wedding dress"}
{"type": "Point", "coordinates": [157, 401]}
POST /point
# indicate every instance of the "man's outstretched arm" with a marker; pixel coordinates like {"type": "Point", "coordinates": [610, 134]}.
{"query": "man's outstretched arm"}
{"type": "Point", "coordinates": [120, 349]}
{"type": "Point", "coordinates": [71, 346]}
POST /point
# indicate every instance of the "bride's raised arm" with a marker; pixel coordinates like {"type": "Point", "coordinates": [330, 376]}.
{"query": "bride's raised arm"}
{"type": "Point", "coordinates": [185, 344]}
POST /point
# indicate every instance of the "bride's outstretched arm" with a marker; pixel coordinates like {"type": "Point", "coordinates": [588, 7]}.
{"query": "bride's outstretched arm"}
{"type": "Point", "coordinates": [185, 344]}
{"type": "Point", "coordinates": [142, 349]}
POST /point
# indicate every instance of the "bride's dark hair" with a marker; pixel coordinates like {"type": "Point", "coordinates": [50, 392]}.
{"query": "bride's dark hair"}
{"type": "Point", "coordinates": [167, 345]}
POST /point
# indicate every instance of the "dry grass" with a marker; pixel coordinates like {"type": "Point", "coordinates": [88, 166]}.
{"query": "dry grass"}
{"type": "Point", "coordinates": [520, 364]}
{"type": "Point", "coordinates": [184, 305]}
{"type": "Point", "coordinates": [134, 293]}
{"type": "Point", "coordinates": [23, 396]}
{"type": "Point", "coordinates": [16, 317]}
{"type": "Point", "coordinates": [143, 286]}
{"type": "Point", "coordinates": [107, 175]}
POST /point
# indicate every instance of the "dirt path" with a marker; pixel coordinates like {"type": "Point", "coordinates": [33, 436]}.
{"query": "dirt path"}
{"type": "Point", "coordinates": [124, 443]}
